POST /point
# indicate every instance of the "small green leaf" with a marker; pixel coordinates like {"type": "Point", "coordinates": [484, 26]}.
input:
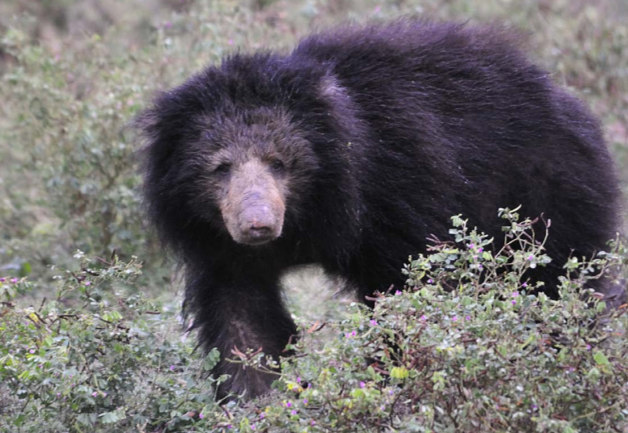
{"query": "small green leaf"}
{"type": "Point", "coordinates": [25, 269]}
{"type": "Point", "coordinates": [400, 373]}
{"type": "Point", "coordinates": [600, 358]}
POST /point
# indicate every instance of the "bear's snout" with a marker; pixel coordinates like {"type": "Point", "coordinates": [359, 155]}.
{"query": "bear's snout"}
{"type": "Point", "coordinates": [258, 224]}
{"type": "Point", "coordinates": [253, 208]}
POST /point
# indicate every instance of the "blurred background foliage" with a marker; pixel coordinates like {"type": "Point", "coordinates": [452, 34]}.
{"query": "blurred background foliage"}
{"type": "Point", "coordinates": [74, 73]}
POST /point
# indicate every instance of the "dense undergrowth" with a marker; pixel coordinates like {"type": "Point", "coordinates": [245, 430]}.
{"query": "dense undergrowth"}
{"type": "Point", "coordinates": [469, 347]}
{"type": "Point", "coordinates": [97, 345]}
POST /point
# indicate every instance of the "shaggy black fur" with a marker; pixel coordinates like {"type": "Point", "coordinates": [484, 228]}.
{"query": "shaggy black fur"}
{"type": "Point", "coordinates": [390, 130]}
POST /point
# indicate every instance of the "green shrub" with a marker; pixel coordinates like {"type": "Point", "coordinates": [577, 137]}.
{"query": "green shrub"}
{"type": "Point", "coordinates": [467, 348]}
{"type": "Point", "coordinates": [96, 357]}
{"type": "Point", "coordinates": [70, 121]}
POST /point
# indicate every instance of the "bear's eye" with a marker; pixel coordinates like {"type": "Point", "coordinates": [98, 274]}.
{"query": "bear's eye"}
{"type": "Point", "coordinates": [223, 168]}
{"type": "Point", "coordinates": [277, 166]}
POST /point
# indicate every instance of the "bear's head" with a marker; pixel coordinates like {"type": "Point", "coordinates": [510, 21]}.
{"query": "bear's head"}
{"type": "Point", "coordinates": [249, 149]}
{"type": "Point", "coordinates": [251, 163]}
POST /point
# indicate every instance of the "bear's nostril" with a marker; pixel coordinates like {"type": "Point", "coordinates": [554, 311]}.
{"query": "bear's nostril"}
{"type": "Point", "coordinates": [260, 231]}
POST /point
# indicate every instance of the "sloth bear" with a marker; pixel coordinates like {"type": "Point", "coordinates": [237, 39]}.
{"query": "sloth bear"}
{"type": "Point", "coordinates": [349, 152]}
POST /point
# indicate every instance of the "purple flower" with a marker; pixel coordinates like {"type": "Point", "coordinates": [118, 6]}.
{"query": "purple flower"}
{"type": "Point", "coordinates": [31, 351]}
{"type": "Point", "coordinates": [514, 302]}
{"type": "Point", "coordinates": [480, 266]}
{"type": "Point", "coordinates": [455, 318]}
{"type": "Point", "coordinates": [294, 412]}
{"type": "Point", "coordinates": [480, 249]}
{"type": "Point", "coordinates": [253, 427]}
{"type": "Point", "coordinates": [588, 347]}
{"type": "Point", "coordinates": [362, 384]}
{"type": "Point", "coordinates": [515, 294]}
{"type": "Point", "coordinates": [167, 24]}
{"type": "Point", "coordinates": [305, 401]}
{"type": "Point", "coordinates": [299, 379]}
{"type": "Point", "coordinates": [230, 41]}
{"type": "Point", "coordinates": [14, 280]}
{"type": "Point", "coordinates": [58, 394]}
{"type": "Point", "coordinates": [262, 415]}
{"type": "Point", "coordinates": [2, 280]}
{"type": "Point", "coordinates": [397, 293]}
{"type": "Point", "coordinates": [468, 317]}
{"type": "Point", "coordinates": [531, 257]}
{"type": "Point", "coordinates": [88, 283]}
{"type": "Point", "coordinates": [430, 281]}
{"type": "Point", "coordinates": [471, 246]}
{"type": "Point", "coordinates": [373, 322]}
{"type": "Point", "coordinates": [524, 285]}
{"type": "Point", "coordinates": [288, 404]}
{"type": "Point", "coordinates": [313, 422]}
{"type": "Point", "coordinates": [94, 394]}
{"type": "Point", "coordinates": [424, 317]}
{"type": "Point", "coordinates": [201, 416]}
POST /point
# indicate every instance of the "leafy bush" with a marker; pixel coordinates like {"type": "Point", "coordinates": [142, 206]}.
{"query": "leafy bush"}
{"type": "Point", "coordinates": [96, 357]}
{"type": "Point", "coordinates": [467, 348]}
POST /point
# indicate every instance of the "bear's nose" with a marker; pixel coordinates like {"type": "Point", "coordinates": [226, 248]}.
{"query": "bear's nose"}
{"type": "Point", "coordinates": [259, 225]}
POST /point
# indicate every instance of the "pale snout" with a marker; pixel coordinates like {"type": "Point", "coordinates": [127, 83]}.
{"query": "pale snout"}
{"type": "Point", "coordinates": [258, 223]}
{"type": "Point", "coordinates": [257, 218]}
{"type": "Point", "coordinates": [253, 208]}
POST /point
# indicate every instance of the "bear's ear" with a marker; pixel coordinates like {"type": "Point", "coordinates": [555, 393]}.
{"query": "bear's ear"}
{"type": "Point", "coordinates": [147, 125]}
{"type": "Point", "coordinates": [336, 97]}
{"type": "Point", "coordinates": [330, 88]}
{"type": "Point", "coordinates": [341, 109]}
{"type": "Point", "coordinates": [162, 126]}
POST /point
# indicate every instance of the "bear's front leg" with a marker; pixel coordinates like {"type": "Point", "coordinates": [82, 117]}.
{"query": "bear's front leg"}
{"type": "Point", "coordinates": [239, 312]}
